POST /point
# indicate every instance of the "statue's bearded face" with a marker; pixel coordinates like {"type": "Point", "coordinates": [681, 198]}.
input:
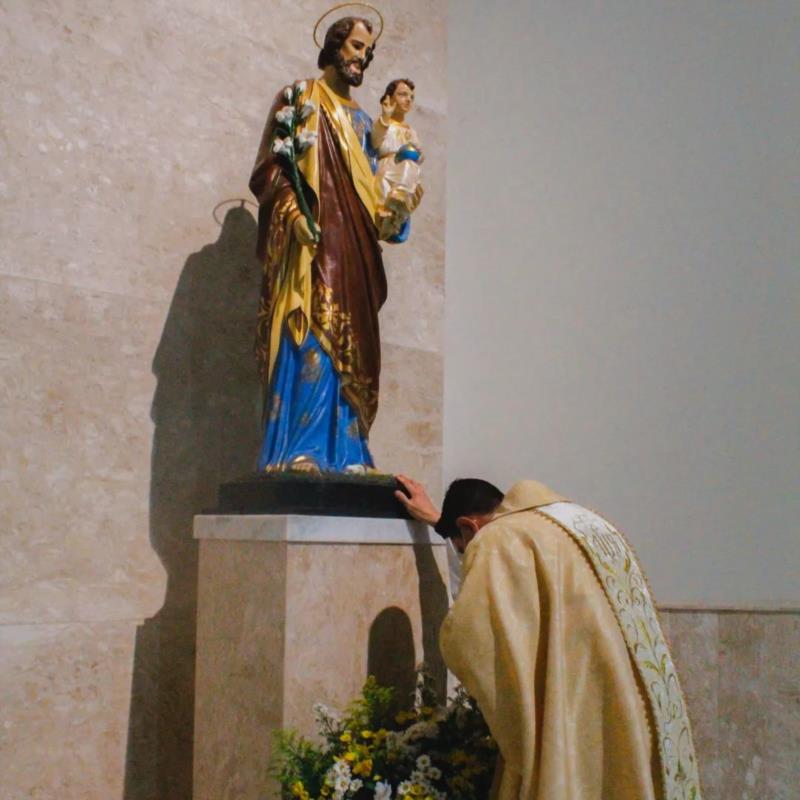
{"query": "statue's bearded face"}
{"type": "Point", "coordinates": [352, 55]}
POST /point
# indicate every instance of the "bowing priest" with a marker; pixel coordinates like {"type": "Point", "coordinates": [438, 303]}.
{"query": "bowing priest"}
{"type": "Point", "coordinates": [555, 634]}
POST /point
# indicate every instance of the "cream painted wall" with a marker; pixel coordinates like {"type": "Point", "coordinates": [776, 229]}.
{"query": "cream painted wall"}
{"type": "Point", "coordinates": [622, 276]}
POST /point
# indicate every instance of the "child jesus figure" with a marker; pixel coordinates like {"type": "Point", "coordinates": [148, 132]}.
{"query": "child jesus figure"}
{"type": "Point", "coordinates": [399, 159]}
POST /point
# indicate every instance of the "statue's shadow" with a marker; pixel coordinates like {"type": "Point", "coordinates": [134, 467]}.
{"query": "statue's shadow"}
{"type": "Point", "coordinates": [391, 656]}
{"type": "Point", "coordinates": [206, 411]}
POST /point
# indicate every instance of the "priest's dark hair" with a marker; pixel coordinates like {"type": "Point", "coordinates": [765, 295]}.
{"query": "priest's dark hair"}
{"type": "Point", "coordinates": [390, 89]}
{"type": "Point", "coordinates": [337, 35]}
{"type": "Point", "coordinates": [466, 496]}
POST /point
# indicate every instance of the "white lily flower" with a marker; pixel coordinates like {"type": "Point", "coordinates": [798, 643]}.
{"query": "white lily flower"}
{"type": "Point", "coordinates": [283, 147]}
{"type": "Point", "coordinates": [305, 140]}
{"type": "Point", "coordinates": [307, 109]}
{"type": "Point", "coordinates": [356, 785]}
{"type": "Point", "coordinates": [288, 92]}
{"type": "Point", "coordinates": [342, 784]}
{"type": "Point", "coordinates": [301, 86]}
{"type": "Point", "coordinates": [434, 773]}
{"type": "Point", "coordinates": [285, 115]}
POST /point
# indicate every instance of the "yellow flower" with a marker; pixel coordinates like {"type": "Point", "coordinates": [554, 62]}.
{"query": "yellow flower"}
{"type": "Point", "coordinates": [298, 788]}
{"type": "Point", "coordinates": [405, 716]}
{"type": "Point", "coordinates": [426, 710]}
{"type": "Point", "coordinates": [346, 737]}
{"type": "Point", "coordinates": [363, 767]}
{"type": "Point", "coordinates": [367, 734]}
{"type": "Point", "coordinates": [377, 777]}
{"type": "Point", "coordinates": [350, 756]}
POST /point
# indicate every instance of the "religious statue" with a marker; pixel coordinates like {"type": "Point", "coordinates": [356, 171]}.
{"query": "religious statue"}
{"type": "Point", "coordinates": [399, 157]}
{"type": "Point", "coordinates": [318, 338]}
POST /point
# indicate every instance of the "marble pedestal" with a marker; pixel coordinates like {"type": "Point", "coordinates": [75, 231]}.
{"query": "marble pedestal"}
{"type": "Point", "coordinates": [295, 610]}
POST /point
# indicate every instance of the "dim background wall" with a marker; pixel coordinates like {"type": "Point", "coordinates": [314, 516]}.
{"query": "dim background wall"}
{"type": "Point", "coordinates": [127, 381]}
{"type": "Point", "coordinates": [622, 276]}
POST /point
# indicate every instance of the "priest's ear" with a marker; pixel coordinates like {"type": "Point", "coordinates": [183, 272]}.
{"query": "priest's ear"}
{"type": "Point", "coordinates": [468, 526]}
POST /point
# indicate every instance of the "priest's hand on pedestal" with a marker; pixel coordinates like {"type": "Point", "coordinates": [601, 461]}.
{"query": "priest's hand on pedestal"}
{"type": "Point", "coordinates": [416, 500]}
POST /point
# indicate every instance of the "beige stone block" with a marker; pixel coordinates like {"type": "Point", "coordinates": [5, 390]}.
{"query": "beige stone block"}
{"type": "Point", "coordinates": [743, 717]}
{"type": "Point", "coordinates": [283, 625]}
{"type": "Point", "coordinates": [66, 695]}
{"type": "Point", "coordinates": [781, 679]}
{"type": "Point", "coordinates": [161, 730]}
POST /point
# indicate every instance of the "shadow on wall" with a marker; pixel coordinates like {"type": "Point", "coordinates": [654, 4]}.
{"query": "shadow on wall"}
{"type": "Point", "coordinates": [206, 411]}
{"type": "Point", "coordinates": [390, 656]}
{"type": "Point", "coordinates": [433, 603]}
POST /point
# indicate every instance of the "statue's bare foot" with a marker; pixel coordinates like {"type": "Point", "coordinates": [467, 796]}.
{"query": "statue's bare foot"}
{"type": "Point", "coordinates": [305, 464]}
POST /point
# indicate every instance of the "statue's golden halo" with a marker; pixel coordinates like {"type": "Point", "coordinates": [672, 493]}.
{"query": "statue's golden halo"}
{"type": "Point", "coordinates": [351, 5]}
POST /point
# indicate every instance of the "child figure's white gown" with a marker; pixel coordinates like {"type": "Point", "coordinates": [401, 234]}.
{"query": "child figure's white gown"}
{"type": "Point", "coordinates": [397, 181]}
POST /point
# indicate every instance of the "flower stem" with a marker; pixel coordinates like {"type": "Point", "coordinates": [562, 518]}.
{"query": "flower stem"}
{"type": "Point", "coordinates": [296, 181]}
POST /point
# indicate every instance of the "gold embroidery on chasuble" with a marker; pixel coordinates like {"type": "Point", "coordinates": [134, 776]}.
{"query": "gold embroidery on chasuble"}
{"type": "Point", "coordinates": [626, 589]}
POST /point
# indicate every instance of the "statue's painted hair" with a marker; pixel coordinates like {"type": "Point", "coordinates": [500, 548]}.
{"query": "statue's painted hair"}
{"type": "Point", "coordinates": [337, 35]}
{"type": "Point", "coordinates": [392, 87]}
{"type": "Point", "coordinates": [464, 497]}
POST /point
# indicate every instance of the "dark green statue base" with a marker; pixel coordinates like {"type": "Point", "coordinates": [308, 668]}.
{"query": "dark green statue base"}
{"type": "Point", "coordinates": [332, 494]}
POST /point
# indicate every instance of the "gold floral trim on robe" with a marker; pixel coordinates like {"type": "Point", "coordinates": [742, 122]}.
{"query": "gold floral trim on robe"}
{"type": "Point", "coordinates": [277, 252]}
{"type": "Point", "coordinates": [333, 328]}
{"type": "Point", "coordinates": [626, 589]}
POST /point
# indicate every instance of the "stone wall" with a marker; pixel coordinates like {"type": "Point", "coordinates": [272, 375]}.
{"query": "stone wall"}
{"type": "Point", "coordinates": [741, 676]}
{"type": "Point", "coordinates": [127, 378]}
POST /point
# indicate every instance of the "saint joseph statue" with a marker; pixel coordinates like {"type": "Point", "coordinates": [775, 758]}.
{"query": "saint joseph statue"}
{"type": "Point", "coordinates": [324, 282]}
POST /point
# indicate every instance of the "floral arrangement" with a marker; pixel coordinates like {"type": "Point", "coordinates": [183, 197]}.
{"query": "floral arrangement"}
{"type": "Point", "coordinates": [288, 143]}
{"type": "Point", "coordinates": [373, 751]}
